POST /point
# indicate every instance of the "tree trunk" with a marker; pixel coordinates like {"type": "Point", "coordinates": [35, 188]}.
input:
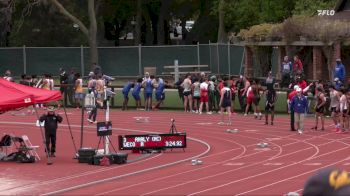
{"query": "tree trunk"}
{"type": "Point", "coordinates": [164, 12]}
{"type": "Point", "coordinates": [92, 33]}
{"type": "Point", "coordinates": [221, 31]}
{"type": "Point", "coordinates": [137, 38]}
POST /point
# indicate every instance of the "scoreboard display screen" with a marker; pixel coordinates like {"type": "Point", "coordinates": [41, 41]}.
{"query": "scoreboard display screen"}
{"type": "Point", "coordinates": [152, 141]}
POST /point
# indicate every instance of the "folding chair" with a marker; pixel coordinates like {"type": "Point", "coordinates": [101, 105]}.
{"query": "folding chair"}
{"type": "Point", "coordinates": [28, 148]}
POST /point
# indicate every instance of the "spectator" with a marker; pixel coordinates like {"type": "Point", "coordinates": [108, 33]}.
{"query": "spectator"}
{"type": "Point", "coordinates": [8, 76]}
{"type": "Point", "coordinates": [339, 71]}
{"type": "Point", "coordinates": [79, 95]}
{"type": "Point", "coordinates": [63, 85]}
{"type": "Point", "coordinates": [328, 182]}
{"type": "Point", "coordinates": [286, 70]}
{"type": "Point", "coordinates": [70, 88]}
{"type": "Point", "coordinates": [299, 106]}
{"type": "Point", "coordinates": [297, 66]}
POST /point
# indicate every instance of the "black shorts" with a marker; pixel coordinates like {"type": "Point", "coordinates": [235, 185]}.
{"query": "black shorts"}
{"type": "Point", "coordinates": [226, 103]}
{"type": "Point", "coordinates": [320, 110]}
{"type": "Point", "coordinates": [256, 100]}
{"type": "Point", "coordinates": [268, 107]}
{"type": "Point", "coordinates": [197, 98]}
{"type": "Point", "coordinates": [334, 109]}
{"type": "Point", "coordinates": [345, 113]}
{"type": "Point", "coordinates": [187, 93]}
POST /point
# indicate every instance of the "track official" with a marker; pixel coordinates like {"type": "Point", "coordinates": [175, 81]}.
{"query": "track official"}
{"type": "Point", "coordinates": [51, 120]}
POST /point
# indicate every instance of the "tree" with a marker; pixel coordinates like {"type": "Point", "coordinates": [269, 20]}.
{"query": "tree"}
{"type": "Point", "coordinates": [90, 33]}
{"type": "Point", "coordinates": [222, 36]}
{"type": "Point", "coordinates": [117, 16]}
{"type": "Point", "coordinates": [310, 7]}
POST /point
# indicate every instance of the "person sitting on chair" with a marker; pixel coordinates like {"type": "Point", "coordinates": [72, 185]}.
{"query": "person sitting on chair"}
{"type": "Point", "coordinates": [51, 119]}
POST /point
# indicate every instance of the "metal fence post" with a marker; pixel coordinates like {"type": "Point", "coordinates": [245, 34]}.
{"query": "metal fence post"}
{"type": "Point", "coordinates": [210, 56]}
{"type": "Point", "coordinates": [82, 60]}
{"type": "Point", "coordinates": [228, 59]}
{"type": "Point", "coordinates": [198, 57]}
{"type": "Point", "coordinates": [217, 56]}
{"type": "Point", "coordinates": [24, 60]}
{"type": "Point", "coordinates": [140, 62]}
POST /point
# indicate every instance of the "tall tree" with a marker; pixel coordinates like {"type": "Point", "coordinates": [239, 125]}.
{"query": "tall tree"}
{"type": "Point", "coordinates": [91, 32]}
{"type": "Point", "coordinates": [222, 36]}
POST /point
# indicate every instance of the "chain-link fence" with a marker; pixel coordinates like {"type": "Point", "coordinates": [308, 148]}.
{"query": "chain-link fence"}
{"type": "Point", "coordinates": [122, 61]}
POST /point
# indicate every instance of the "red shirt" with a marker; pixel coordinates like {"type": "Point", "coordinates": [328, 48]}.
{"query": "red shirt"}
{"type": "Point", "coordinates": [221, 85]}
{"type": "Point", "coordinates": [298, 66]}
{"type": "Point", "coordinates": [302, 84]}
{"type": "Point", "coordinates": [291, 95]}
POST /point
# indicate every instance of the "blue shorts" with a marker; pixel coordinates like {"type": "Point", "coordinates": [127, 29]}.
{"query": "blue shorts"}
{"type": "Point", "coordinates": [148, 95]}
{"type": "Point", "coordinates": [160, 96]}
{"type": "Point", "coordinates": [136, 97]}
{"type": "Point", "coordinates": [126, 95]}
{"type": "Point", "coordinates": [79, 95]}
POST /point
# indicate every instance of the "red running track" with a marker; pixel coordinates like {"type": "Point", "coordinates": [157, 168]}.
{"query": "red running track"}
{"type": "Point", "coordinates": [232, 163]}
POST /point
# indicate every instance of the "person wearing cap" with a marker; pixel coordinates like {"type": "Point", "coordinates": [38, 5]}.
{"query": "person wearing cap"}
{"type": "Point", "coordinates": [328, 182]}
{"type": "Point", "coordinates": [299, 106]}
{"type": "Point", "coordinates": [339, 71]}
{"type": "Point", "coordinates": [51, 120]}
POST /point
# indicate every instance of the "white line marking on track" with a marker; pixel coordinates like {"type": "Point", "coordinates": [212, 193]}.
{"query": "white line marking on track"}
{"type": "Point", "coordinates": [273, 164]}
{"type": "Point", "coordinates": [312, 164]}
{"type": "Point", "coordinates": [233, 164]}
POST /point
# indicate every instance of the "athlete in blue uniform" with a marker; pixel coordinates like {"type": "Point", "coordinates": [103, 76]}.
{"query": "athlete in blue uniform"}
{"type": "Point", "coordinates": [148, 86]}
{"type": "Point", "coordinates": [160, 94]}
{"type": "Point", "coordinates": [136, 93]}
{"type": "Point", "coordinates": [126, 89]}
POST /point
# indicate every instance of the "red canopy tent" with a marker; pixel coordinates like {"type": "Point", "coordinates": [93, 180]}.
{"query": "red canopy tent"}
{"type": "Point", "coordinates": [39, 95]}
{"type": "Point", "coordinates": [12, 98]}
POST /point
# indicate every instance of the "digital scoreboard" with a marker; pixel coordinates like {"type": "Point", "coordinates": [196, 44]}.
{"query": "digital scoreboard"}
{"type": "Point", "coordinates": [152, 141]}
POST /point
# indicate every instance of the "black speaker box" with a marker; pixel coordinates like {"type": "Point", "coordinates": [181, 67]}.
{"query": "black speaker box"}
{"type": "Point", "coordinates": [119, 158]}
{"type": "Point", "coordinates": [86, 155]}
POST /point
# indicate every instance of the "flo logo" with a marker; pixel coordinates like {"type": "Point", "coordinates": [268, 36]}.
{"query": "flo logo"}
{"type": "Point", "coordinates": [325, 12]}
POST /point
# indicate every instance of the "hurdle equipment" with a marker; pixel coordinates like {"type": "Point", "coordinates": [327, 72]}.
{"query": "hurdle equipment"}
{"type": "Point", "coordinates": [141, 119]}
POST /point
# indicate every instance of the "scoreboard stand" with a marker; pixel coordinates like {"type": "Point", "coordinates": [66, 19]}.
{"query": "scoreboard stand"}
{"type": "Point", "coordinates": [173, 128]}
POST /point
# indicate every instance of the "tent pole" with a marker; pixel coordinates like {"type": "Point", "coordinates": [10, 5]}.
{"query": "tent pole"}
{"type": "Point", "coordinates": [70, 130]}
{"type": "Point", "coordinates": [49, 161]}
